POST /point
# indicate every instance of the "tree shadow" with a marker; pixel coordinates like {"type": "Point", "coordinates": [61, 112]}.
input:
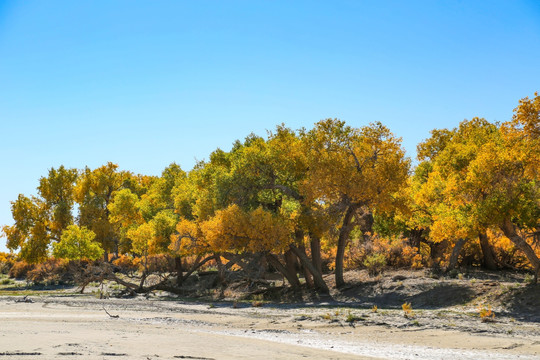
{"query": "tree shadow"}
{"type": "Point", "coordinates": [524, 304]}
{"type": "Point", "coordinates": [422, 296]}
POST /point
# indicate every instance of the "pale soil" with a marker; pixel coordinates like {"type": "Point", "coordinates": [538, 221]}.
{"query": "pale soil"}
{"type": "Point", "coordinates": [77, 327]}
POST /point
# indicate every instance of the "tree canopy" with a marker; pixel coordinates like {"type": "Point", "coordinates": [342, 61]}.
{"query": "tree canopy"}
{"type": "Point", "coordinates": [296, 197]}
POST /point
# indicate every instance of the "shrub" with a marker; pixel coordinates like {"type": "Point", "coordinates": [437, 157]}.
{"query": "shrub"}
{"type": "Point", "coordinates": [20, 269]}
{"type": "Point", "coordinates": [50, 271]}
{"type": "Point", "coordinates": [407, 310]}
{"type": "Point", "coordinates": [159, 263]}
{"type": "Point", "coordinates": [125, 264]}
{"type": "Point", "coordinates": [396, 251]}
{"type": "Point", "coordinates": [375, 263]}
{"type": "Point", "coordinates": [6, 262]}
{"type": "Point", "coordinates": [486, 314]}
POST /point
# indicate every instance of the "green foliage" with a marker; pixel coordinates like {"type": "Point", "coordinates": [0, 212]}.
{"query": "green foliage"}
{"type": "Point", "coordinates": [326, 186]}
{"type": "Point", "coordinates": [77, 243]}
{"type": "Point", "coordinates": [375, 263]}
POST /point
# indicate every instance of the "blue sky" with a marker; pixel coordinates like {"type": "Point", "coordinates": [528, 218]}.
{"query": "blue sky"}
{"type": "Point", "coordinates": [147, 83]}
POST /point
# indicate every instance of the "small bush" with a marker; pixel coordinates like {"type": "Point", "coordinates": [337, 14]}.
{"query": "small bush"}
{"type": "Point", "coordinates": [125, 264]}
{"type": "Point", "coordinates": [6, 262]}
{"type": "Point", "coordinates": [486, 314]}
{"type": "Point", "coordinates": [529, 279]}
{"type": "Point", "coordinates": [407, 310]}
{"type": "Point", "coordinates": [50, 271]}
{"type": "Point", "coordinates": [156, 263]}
{"type": "Point", "coordinates": [351, 318]}
{"type": "Point", "coordinates": [397, 252]}
{"type": "Point", "coordinates": [20, 269]}
{"type": "Point", "coordinates": [375, 263]}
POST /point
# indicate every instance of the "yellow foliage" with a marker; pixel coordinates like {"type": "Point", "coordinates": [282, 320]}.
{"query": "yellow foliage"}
{"type": "Point", "coordinates": [486, 314]}
{"type": "Point", "coordinates": [407, 310]}
{"type": "Point", "coordinates": [233, 229]}
{"type": "Point", "coordinates": [396, 252]}
{"type": "Point", "coordinates": [188, 239]}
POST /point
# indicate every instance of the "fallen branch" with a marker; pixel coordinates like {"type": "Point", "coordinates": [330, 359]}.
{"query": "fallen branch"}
{"type": "Point", "coordinates": [113, 316]}
{"type": "Point", "coordinates": [25, 299]}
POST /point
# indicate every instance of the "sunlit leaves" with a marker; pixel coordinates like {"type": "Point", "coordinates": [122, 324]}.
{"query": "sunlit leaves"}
{"type": "Point", "coordinates": [77, 244]}
{"type": "Point", "coordinates": [233, 229]}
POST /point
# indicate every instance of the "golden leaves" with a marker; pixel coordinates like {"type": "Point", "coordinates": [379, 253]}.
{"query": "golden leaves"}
{"type": "Point", "coordinates": [233, 229]}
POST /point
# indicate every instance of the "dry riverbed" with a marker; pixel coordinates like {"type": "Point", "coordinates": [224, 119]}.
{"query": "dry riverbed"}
{"type": "Point", "coordinates": [77, 326]}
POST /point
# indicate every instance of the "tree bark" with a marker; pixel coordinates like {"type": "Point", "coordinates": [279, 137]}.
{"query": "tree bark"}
{"type": "Point", "coordinates": [452, 264]}
{"type": "Point", "coordinates": [305, 270]}
{"type": "Point", "coordinates": [291, 277]}
{"type": "Point", "coordinates": [198, 263]}
{"type": "Point", "coordinates": [487, 252]}
{"type": "Point", "coordinates": [317, 276]}
{"type": "Point", "coordinates": [291, 264]}
{"type": "Point", "coordinates": [343, 238]}
{"type": "Point", "coordinates": [315, 245]}
{"type": "Point", "coordinates": [179, 270]}
{"type": "Point", "coordinates": [415, 237]}
{"type": "Point", "coordinates": [221, 269]}
{"type": "Point", "coordinates": [509, 230]}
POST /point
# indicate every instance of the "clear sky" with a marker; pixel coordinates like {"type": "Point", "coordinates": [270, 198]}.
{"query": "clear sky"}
{"type": "Point", "coordinates": [147, 83]}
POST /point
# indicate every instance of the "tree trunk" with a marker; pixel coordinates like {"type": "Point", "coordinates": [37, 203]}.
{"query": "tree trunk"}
{"type": "Point", "coordinates": [455, 254]}
{"type": "Point", "coordinates": [415, 237]}
{"type": "Point", "coordinates": [315, 245]}
{"type": "Point", "coordinates": [487, 252]}
{"type": "Point", "coordinates": [221, 269]}
{"type": "Point", "coordinates": [509, 230]}
{"type": "Point", "coordinates": [291, 263]}
{"type": "Point", "coordinates": [291, 277]}
{"type": "Point", "coordinates": [317, 276]}
{"type": "Point", "coordinates": [179, 270]}
{"type": "Point", "coordinates": [305, 270]}
{"type": "Point", "coordinates": [197, 264]}
{"type": "Point", "coordinates": [299, 235]}
{"type": "Point", "coordinates": [343, 238]}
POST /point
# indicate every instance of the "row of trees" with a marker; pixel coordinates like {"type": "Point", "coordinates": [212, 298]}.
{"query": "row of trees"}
{"type": "Point", "coordinates": [294, 195]}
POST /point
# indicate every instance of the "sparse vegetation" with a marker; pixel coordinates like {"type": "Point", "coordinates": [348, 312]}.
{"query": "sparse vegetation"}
{"type": "Point", "coordinates": [407, 310]}
{"type": "Point", "coordinates": [486, 314]}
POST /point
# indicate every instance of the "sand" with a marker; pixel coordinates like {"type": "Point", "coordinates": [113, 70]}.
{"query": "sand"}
{"type": "Point", "coordinates": [77, 327]}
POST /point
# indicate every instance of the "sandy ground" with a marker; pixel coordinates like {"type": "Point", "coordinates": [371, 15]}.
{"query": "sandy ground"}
{"type": "Point", "coordinates": [78, 327]}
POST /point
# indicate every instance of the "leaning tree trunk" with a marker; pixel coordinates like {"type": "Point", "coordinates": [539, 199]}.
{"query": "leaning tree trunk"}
{"type": "Point", "coordinates": [509, 230]}
{"type": "Point", "coordinates": [317, 276]}
{"type": "Point", "coordinates": [291, 263]}
{"type": "Point", "coordinates": [305, 269]}
{"type": "Point", "coordinates": [299, 235]}
{"type": "Point", "coordinates": [452, 264]}
{"type": "Point", "coordinates": [290, 276]}
{"type": "Point", "coordinates": [487, 251]}
{"type": "Point", "coordinates": [343, 238]}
